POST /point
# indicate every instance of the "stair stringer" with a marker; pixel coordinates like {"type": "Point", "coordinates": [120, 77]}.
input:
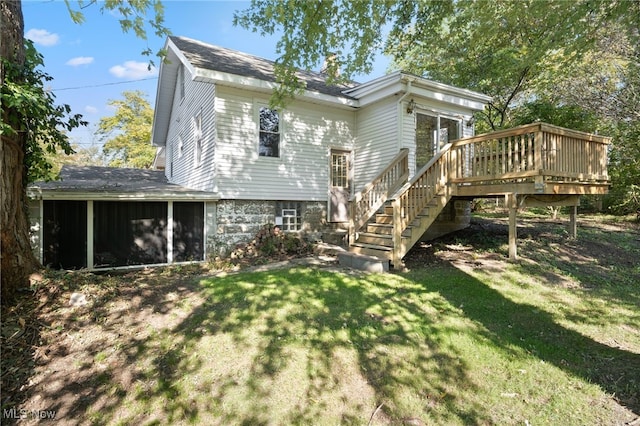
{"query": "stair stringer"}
{"type": "Point", "coordinates": [419, 226]}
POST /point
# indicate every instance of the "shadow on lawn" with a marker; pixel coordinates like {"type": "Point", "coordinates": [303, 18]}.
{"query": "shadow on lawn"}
{"type": "Point", "coordinates": [292, 347]}
{"type": "Point", "coordinates": [315, 344]}
{"type": "Point", "coordinates": [508, 324]}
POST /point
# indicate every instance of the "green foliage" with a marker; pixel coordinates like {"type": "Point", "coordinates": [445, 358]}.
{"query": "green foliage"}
{"type": "Point", "coordinates": [127, 134]}
{"type": "Point", "coordinates": [570, 116]}
{"type": "Point", "coordinates": [132, 17]}
{"type": "Point", "coordinates": [31, 109]}
{"type": "Point", "coordinates": [312, 31]}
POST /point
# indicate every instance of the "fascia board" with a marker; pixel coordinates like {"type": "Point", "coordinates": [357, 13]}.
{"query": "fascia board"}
{"type": "Point", "coordinates": [165, 90]}
{"type": "Point", "coordinates": [449, 98]}
{"type": "Point", "coordinates": [373, 86]}
{"type": "Point", "coordinates": [125, 196]}
{"type": "Point", "coordinates": [242, 82]}
{"type": "Point", "coordinates": [446, 89]}
{"type": "Point", "coordinates": [381, 92]}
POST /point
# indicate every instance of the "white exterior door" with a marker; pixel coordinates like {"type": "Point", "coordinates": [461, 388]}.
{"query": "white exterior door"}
{"type": "Point", "coordinates": [339, 185]}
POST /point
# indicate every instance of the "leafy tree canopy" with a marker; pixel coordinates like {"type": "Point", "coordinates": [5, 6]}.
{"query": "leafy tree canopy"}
{"type": "Point", "coordinates": [31, 111]}
{"type": "Point", "coordinates": [572, 63]}
{"type": "Point", "coordinates": [501, 48]}
{"type": "Point", "coordinates": [127, 133]}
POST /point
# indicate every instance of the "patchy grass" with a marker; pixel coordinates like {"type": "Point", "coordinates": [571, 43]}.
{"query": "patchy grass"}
{"type": "Point", "coordinates": [461, 337]}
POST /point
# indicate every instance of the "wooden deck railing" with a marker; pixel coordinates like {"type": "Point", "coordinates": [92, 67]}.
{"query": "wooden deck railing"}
{"type": "Point", "coordinates": [537, 153]}
{"type": "Point", "coordinates": [411, 199]}
{"type": "Point", "coordinates": [364, 204]}
{"type": "Point", "coordinates": [535, 150]}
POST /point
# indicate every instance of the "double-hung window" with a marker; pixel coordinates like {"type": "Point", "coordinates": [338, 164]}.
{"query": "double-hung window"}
{"type": "Point", "coordinates": [269, 138]}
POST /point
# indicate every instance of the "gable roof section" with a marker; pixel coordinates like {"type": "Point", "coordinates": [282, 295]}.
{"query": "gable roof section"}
{"type": "Point", "coordinates": [207, 62]}
{"type": "Point", "coordinates": [95, 183]}
{"type": "Point", "coordinates": [215, 58]}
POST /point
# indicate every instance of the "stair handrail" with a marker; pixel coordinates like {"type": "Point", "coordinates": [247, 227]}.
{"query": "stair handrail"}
{"type": "Point", "coordinates": [364, 203]}
{"type": "Point", "coordinates": [410, 199]}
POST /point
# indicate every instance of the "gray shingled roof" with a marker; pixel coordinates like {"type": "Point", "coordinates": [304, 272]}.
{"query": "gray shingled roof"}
{"type": "Point", "coordinates": [112, 180]}
{"type": "Point", "coordinates": [207, 56]}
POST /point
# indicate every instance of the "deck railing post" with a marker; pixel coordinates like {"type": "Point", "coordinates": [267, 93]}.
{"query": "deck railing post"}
{"type": "Point", "coordinates": [538, 147]}
{"type": "Point", "coordinates": [397, 232]}
{"type": "Point", "coordinates": [512, 204]}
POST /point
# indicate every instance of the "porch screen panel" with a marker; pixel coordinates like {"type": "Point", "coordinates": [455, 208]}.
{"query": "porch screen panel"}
{"type": "Point", "coordinates": [188, 231]}
{"type": "Point", "coordinates": [65, 234]}
{"type": "Point", "coordinates": [129, 233]}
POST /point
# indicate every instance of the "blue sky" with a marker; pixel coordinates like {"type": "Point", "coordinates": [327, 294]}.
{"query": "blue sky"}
{"type": "Point", "coordinates": [94, 62]}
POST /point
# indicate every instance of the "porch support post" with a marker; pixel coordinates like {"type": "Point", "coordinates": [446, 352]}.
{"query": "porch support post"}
{"type": "Point", "coordinates": [90, 234]}
{"type": "Point", "coordinates": [512, 204]}
{"type": "Point", "coordinates": [573, 222]}
{"type": "Point", "coordinates": [169, 231]}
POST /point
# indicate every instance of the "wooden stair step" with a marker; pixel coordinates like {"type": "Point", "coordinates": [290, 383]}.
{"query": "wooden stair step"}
{"type": "Point", "coordinates": [377, 239]}
{"type": "Point", "coordinates": [380, 228]}
{"type": "Point", "coordinates": [372, 250]}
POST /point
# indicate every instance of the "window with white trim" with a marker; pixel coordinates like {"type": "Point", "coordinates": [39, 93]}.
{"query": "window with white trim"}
{"type": "Point", "coordinates": [289, 215]}
{"type": "Point", "coordinates": [269, 134]}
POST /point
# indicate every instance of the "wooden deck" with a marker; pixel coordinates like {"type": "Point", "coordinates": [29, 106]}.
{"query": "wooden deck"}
{"type": "Point", "coordinates": [536, 164]}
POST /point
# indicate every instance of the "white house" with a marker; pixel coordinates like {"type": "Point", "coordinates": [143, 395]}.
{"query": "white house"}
{"type": "Point", "coordinates": [231, 164]}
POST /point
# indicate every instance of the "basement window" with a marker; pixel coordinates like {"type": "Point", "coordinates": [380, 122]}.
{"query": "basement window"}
{"type": "Point", "coordinates": [289, 215]}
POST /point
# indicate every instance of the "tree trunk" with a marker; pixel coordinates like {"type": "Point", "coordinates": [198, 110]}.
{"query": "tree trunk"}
{"type": "Point", "coordinates": [17, 259]}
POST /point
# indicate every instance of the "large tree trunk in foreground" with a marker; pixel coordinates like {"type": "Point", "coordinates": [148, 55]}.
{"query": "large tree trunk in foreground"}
{"type": "Point", "coordinates": [17, 258]}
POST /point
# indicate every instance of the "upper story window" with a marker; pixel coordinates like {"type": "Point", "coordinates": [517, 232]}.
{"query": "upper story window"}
{"type": "Point", "coordinates": [197, 152]}
{"type": "Point", "coordinates": [269, 133]}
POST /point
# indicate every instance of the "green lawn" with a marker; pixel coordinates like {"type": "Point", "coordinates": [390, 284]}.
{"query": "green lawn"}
{"type": "Point", "coordinates": [480, 341]}
{"type": "Point", "coordinates": [306, 346]}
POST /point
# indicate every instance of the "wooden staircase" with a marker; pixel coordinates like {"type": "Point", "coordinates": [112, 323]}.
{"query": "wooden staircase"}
{"type": "Point", "coordinates": [390, 214]}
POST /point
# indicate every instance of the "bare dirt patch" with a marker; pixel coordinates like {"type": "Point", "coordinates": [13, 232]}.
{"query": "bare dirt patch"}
{"type": "Point", "coordinates": [78, 360]}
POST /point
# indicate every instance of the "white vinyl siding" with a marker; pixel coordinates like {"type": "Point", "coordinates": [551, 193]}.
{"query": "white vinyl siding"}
{"type": "Point", "coordinates": [307, 131]}
{"type": "Point", "coordinates": [377, 141]}
{"type": "Point", "coordinates": [199, 100]}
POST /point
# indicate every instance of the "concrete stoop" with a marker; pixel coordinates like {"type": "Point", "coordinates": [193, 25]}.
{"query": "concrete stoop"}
{"type": "Point", "coordinates": [362, 262]}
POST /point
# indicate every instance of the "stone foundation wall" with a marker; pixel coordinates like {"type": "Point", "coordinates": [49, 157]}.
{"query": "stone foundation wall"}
{"type": "Point", "coordinates": [232, 222]}
{"type": "Point", "coordinates": [455, 216]}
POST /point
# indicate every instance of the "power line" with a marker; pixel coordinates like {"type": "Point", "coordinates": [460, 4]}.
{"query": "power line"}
{"type": "Point", "coordinates": [104, 84]}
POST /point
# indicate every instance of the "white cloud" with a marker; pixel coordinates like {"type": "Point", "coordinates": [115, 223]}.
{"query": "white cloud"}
{"type": "Point", "coordinates": [80, 60]}
{"type": "Point", "coordinates": [133, 70]}
{"type": "Point", "coordinates": [91, 109]}
{"type": "Point", "coordinates": [42, 37]}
